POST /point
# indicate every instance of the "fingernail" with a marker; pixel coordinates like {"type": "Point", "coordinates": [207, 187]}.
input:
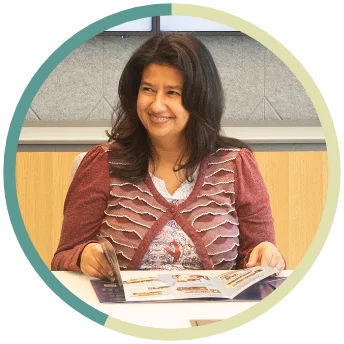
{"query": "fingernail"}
{"type": "Point", "coordinates": [110, 273]}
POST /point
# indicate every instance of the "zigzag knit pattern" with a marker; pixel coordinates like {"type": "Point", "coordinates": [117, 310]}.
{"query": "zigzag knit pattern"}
{"type": "Point", "coordinates": [137, 212]}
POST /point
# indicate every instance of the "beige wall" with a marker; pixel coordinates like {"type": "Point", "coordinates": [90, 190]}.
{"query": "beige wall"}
{"type": "Point", "coordinates": [297, 183]}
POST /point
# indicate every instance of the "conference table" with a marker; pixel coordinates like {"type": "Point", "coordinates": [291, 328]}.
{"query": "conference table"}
{"type": "Point", "coordinates": [158, 315]}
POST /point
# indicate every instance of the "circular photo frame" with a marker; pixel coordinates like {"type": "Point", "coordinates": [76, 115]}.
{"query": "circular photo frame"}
{"type": "Point", "coordinates": [164, 10]}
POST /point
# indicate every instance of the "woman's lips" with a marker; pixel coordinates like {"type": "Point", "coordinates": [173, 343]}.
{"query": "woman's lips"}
{"type": "Point", "coordinates": [159, 119]}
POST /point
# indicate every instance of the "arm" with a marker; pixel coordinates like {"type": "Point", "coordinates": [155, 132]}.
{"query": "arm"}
{"type": "Point", "coordinates": [84, 208]}
{"type": "Point", "coordinates": [257, 235]}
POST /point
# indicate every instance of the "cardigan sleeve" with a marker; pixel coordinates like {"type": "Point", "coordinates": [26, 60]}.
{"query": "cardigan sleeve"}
{"type": "Point", "coordinates": [252, 205]}
{"type": "Point", "coordinates": [84, 208]}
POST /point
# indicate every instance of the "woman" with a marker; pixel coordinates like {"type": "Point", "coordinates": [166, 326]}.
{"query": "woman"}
{"type": "Point", "coordinates": [168, 190]}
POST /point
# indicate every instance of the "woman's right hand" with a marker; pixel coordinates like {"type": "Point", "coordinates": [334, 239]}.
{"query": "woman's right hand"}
{"type": "Point", "coordinates": [94, 263]}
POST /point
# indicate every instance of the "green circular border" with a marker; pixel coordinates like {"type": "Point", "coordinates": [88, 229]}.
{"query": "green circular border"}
{"type": "Point", "coordinates": [160, 10]}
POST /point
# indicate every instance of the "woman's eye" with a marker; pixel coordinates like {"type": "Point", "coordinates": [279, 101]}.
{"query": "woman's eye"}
{"type": "Point", "coordinates": [147, 89]}
{"type": "Point", "coordinates": [174, 93]}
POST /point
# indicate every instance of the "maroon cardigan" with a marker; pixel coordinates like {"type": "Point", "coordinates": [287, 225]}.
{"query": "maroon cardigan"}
{"type": "Point", "coordinates": [93, 195]}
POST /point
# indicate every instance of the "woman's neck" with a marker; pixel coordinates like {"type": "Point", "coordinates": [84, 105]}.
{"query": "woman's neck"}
{"type": "Point", "coordinates": [168, 152]}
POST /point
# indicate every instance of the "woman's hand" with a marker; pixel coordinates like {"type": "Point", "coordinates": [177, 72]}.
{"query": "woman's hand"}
{"type": "Point", "coordinates": [94, 263]}
{"type": "Point", "coordinates": [266, 253]}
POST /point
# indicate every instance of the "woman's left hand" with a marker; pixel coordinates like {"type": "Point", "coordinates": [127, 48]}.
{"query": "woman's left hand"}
{"type": "Point", "coordinates": [266, 253]}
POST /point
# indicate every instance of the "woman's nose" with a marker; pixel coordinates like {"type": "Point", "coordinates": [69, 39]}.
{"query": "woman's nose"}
{"type": "Point", "coordinates": [158, 104]}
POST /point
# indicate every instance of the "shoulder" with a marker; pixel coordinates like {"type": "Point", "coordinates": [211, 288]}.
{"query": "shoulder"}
{"type": "Point", "coordinates": [96, 156]}
{"type": "Point", "coordinates": [225, 154]}
{"type": "Point", "coordinates": [246, 164]}
{"type": "Point", "coordinates": [102, 150]}
{"type": "Point", "coordinates": [245, 155]}
{"type": "Point", "coordinates": [90, 177]}
{"type": "Point", "coordinates": [103, 156]}
{"type": "Point", "coordinates": [96, 152]}
{"type": "Point", "coordinates": [247, 171]}
{"type": "Point", "coordinates": [240, 160]}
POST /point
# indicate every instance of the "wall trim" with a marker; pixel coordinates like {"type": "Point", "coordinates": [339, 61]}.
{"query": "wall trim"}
{"type": "Point", "coordinates": [96, 135]}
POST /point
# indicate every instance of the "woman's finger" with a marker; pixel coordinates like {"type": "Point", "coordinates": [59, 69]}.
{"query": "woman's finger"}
{"type": "Point", "coordinates": [280, 264]}
{"type": "Point", "coordinates": [275, 259]}
{"type": "Point", "coordinates": [266, 257]}
{"type": "Point", "coordinates": [103, 263]}
{"type": "Point", "coordinates": [92, 272]}
{"type": "Point", "coordinates": [254, 257]}
{"type": "Point", "coordinates": [96, 265]}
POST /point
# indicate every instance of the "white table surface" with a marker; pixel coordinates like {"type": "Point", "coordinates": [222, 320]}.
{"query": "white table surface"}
{"type": "Point", "coordinates": [158, 315]}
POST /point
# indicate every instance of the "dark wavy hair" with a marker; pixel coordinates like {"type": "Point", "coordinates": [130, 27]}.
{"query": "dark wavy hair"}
{"type": "Point", "coordinates": [202, 97]}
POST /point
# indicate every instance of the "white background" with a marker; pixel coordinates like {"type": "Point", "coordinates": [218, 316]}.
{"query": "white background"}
{"type": "Point", "coordinates": [28, 314]}
{"type": "Point", "coordinates": [28, 29]}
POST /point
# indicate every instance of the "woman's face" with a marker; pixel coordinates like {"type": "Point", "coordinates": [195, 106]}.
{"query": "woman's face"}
{"type": "Point", "coordinates": [159, 102]}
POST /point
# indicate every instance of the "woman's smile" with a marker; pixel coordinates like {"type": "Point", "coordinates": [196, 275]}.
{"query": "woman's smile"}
{"type": "Point", "coordinates": [159, 119]}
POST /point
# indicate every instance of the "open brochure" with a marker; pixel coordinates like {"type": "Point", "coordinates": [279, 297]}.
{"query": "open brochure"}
{"type": "Point", "coordinates": [251, 284]}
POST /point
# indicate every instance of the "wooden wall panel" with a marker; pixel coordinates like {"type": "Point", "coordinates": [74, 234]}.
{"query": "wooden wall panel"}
{"type": "Point", "coordinates": [42, 182]}
{"type": "Point", "coordinates": [297, 184]}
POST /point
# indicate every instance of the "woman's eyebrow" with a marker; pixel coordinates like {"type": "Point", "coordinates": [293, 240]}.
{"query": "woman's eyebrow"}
{"type": "Point", "coordinates": [176, 87]}
{"type": "Point", "coordinates": [145, 83]}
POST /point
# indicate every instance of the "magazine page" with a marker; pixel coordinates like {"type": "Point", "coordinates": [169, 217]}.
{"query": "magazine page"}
{"type": "Point", "coordinates": [234, 282]}
{"type": "Point", "coordinates": [170, 287]}
{"type": "Point", "coordinates": [191, 286]}
{"type": "Point", "coordinates": [166, 287]}
{"type": "Point", "coordinates": [108, 291]}
{"type": "Point", "coordinates": [147, 289]}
